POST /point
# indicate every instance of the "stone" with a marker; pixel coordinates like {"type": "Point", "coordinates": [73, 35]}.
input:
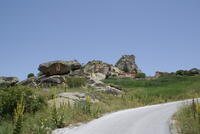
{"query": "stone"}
{"type": "Point", "coordinates": [78, 72]}
{"type": "Point", "coordinates": [30, 82]}
{"type": "Point", "coordinates": [97, 66]}
{"type": "Point", "coordinates": [59, 67]}
{"type": "Point", "coordinates": [98, 85]}
{"type": "Point", "coordinates": [70, 98]}
{"type": "Point", "coordinates": [51, 81]}
{"type": "Point", "coordinates": [8, 81]}
{"type": "Point", "coordinates": [127, 64]}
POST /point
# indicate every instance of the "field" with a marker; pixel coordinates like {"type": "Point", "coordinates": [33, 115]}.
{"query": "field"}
{"type": "Point", "coordinates": [136, 93]}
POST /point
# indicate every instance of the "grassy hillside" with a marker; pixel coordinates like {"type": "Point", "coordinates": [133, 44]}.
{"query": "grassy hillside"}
{"type": "Point", "coordinates": [166, 88]}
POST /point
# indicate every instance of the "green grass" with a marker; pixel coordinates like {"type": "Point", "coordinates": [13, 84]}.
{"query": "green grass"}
{"type": "Point", "coordinates": [166, 88]}
{"type": "Point", "coordinates": [188, 119]}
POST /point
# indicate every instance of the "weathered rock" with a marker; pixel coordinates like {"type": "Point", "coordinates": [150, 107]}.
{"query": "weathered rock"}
{"type": "Point", "coordinates": [96, 66]}
{"type": "Point", "coordinates": [8, 81]}
{"type": "Point", "coordinates": [78, 72]}
{"type": "Point", "coordinates": [59, 67]}
{"type": "Point", "coordinates": [30, 82]}
{"type": "Point", "coordinates": [51, 81]}
{"type": "Point", "coordinates": [96, 84]}
{"type": "Point", "coordinates": [71, 98]}
{"type": "Point", "coordinates": [97, 76]}
{"type": "Point", "coordinates": [127, 64]}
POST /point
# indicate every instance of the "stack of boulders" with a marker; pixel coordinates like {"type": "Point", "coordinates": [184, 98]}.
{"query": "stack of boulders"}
{"type": "Point", "coordinates": [127, 64]}
{"type": "Point", "coordinates": [54, 73]}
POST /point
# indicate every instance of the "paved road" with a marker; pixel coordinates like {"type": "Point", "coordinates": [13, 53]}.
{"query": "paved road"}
{"type": "Point", "coordinates": [144, 120]}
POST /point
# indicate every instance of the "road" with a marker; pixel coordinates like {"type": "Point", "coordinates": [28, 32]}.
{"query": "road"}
{"type": "Point", "coordinates": [152, 119]}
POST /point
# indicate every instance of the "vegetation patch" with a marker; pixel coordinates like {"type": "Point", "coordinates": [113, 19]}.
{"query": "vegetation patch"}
{"type": "Point", "coordinates": [188, 118]}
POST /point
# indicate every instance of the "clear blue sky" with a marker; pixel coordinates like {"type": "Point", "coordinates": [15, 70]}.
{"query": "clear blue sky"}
{"type": "Point", "coordinates": [164, 35]}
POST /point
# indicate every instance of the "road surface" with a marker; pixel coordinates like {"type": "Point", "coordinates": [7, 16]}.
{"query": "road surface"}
{"type": "Point", "coordinates": [152, 119]}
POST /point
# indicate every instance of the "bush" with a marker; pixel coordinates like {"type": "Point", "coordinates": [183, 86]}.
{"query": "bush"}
{"type": "Point", "coordinates": [9, 98]}
{"type": "Point", "coordinates": [30, 75]}
{"type": "Point", "coordinates": [140, 75]}
{"type": "Point", "coordinates": [180, 72]}
{"type": "Point", "coordinates": [74, 82]}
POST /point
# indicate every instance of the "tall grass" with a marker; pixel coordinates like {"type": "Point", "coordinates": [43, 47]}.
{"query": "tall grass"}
{"type": "Point", "coordinates": [74, 82]}
{"type": "Point", "coordinates": [188, 119]}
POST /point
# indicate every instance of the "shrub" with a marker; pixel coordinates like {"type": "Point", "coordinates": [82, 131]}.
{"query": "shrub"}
{"type": "Point", "coordinates": [30, 75]}
{"type": "Point", "coordinates": [57, 115]}
{"type": "Point", "coordinates": [74, 82]}
{"type": "Point", "coordinates": [9, 98]}
{"type": "Point", "coordinates": [140, 75]}
{"type": "Point", "coordinates": [180, 72]}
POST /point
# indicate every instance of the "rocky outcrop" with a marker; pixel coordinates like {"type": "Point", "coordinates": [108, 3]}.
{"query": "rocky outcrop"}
{"type": "Point", "coordinates": [59, 67]}
{"type": "Point", "coordinates": [51, 81]}
{"type": "Point", "coordinates": [71, 98]}
{"type": "Point", "coordinates": [97, 66]}
{"type": "Point", "coordinates": [127, 64]}
{"type": "Point", "coordinates": [44, 81]}
{"type": "Point", "coordinates": [30, 82]}
{"type": "Point", "coordinates": [94, 82]}
{"type": "Point", "coordinates": [8, 81]}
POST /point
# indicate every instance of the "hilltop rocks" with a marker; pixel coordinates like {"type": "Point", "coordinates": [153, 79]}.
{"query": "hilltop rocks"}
{"type": "Point", "coordinates": [8, 81]}
{"type": "Point", "coordinates": [127, 64]}
{"type": "Point", "coordinates": [97, 66]}
{"type": "Point", "coordinates": [59, 67]}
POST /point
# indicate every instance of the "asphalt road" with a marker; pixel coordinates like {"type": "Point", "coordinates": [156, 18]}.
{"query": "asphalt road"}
{"type": "Point", "coordinates": [152, 119]}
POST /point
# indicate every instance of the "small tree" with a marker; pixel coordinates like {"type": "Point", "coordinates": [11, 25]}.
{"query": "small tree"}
{"type": "Point", "coordinates": [30, 75]}
{"type": "Point", "coordinates": [140, 75]}
{"type": "Point", "coordinates": [180, 72]}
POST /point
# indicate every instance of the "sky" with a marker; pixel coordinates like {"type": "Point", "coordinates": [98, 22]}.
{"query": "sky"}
{"type": "Point", "coordinates": [164, 35]}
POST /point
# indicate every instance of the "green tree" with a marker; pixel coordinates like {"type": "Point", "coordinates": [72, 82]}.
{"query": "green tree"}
{"type": "Point", "coordinates": [30, 75]}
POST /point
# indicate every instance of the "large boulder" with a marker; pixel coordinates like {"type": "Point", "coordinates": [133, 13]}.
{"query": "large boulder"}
{"type": "Point", "coordinates": [59, 67]}
{"type": "Point", "coordinates": [127, 64]}
{"type": "Point", "coordinates": [8, 81]}
{"type": "Point", "coordinates": [70, 98]}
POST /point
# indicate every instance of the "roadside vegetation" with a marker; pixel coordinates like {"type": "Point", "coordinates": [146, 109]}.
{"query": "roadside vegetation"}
{"type": "Point", "coordinates": [30, 113]}
{"type": "Point", "coordinates": [188, 119]}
